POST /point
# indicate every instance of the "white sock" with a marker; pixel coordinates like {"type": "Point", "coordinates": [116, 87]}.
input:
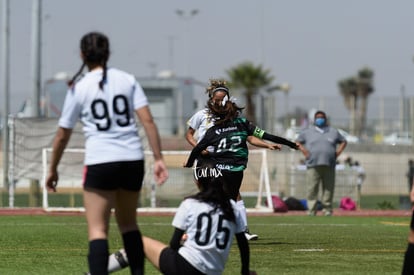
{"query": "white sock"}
{"type": "Point", "coordinates": [117, 261]}
{"type": "Point", "coordinates": [242, 209]}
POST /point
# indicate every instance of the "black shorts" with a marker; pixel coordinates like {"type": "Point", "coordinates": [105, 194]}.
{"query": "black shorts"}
{"type": "Point", "coordinates": [233, 181]}
{"type": "Point", "coordinates": [127, 175]}
{"type": "Point", "coordinates": [172, 263]}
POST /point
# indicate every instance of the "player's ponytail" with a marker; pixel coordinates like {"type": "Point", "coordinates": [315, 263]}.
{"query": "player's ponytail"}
{"type": "Point", "coordinates": [103, 81]}
{"type": "Point", "coordinates": [72, 81]}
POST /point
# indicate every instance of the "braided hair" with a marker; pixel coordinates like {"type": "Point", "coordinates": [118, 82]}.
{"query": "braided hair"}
{"type": "Point", "coordinates": [95, 51]}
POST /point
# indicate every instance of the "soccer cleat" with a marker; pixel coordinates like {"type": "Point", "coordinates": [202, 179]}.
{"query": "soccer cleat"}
{"type": "Point", "coordinates": [250, 237]}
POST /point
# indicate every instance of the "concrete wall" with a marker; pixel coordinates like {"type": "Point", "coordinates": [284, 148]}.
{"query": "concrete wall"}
{"type": "Point", "coordinates": [385, 166]}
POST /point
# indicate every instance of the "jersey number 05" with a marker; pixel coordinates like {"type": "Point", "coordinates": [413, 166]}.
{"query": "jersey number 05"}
{"type": "Point", "coordinates": [202, 237]}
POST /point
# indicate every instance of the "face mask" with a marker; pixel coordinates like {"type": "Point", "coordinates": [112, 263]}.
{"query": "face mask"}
{"type": "Point", "coordinates": [320, 121]}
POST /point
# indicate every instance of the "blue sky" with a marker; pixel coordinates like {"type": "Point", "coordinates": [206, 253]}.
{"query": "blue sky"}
{"type": "Point", "coordinates": [310, 44]}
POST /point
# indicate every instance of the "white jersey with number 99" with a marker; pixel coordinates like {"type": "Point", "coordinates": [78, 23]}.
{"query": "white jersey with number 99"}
{"type": "Point", "coordinates": [107, 115]}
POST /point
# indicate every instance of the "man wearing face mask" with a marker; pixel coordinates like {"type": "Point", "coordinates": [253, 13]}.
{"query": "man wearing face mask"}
{"type": "Point", "coordinates": [321, 145]}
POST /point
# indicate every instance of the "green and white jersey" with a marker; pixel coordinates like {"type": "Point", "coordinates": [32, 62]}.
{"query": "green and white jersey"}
{"type": "Point", "coordinates": [229, 142]}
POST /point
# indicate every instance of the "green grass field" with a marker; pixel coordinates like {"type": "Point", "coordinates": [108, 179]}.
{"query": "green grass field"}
{"type": "Point", "coordinates": [287, 244]}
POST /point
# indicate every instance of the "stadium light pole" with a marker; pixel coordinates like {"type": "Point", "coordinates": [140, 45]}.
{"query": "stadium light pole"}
{"type": "Point", "coordinates": [36, 55]}
{"type": "Point", "coordinates": [36, 78]}
{"type": "Point", "coordinates": [285, 88]}
{"type": "Point", "coordinates": [5, 70]}
{"type": "Point", "coordinates": [171, 39]}
{"type": "Point", "coordinates": [187, 16]}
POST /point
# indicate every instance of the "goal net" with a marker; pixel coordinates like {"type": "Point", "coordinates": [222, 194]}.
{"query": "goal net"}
{"type": "Point", "coordinates": [255, 188]}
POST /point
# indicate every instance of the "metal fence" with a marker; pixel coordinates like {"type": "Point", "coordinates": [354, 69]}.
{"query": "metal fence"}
{"type": "Point", "coordinates": [385, 165]}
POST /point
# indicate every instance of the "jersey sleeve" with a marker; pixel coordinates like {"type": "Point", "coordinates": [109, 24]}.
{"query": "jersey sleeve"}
{"type": "Point", "coordinates": [140, 99]}
{"type": "Point", "coordinates": [195, 121]}
{"type": "Point", "coordinates": [71, 110]}
{"type": "Point", "coordinates": [203, 144]}
{"type": "Point", "coordinates": [279, 140]}
{"type": "Point", "coordinates": [253, 130]}
{"type": "Point", "coordinates": [180, 218]}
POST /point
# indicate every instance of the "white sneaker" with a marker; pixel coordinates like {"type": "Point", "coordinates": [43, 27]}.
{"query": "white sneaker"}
{"type": "Point", "coordinates": [250, 237]}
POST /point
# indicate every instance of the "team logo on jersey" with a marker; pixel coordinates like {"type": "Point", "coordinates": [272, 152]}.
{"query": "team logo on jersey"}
{"type": "Point", "coordinates": [224, 166]}
{"type": "Point", "coordinates": [223, 130]}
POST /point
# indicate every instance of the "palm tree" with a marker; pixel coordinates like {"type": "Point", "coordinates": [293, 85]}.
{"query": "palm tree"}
{"type": "Point", "coordinates": [355, 91]}
{"type": "Point", "coordinates": [348, 90]}
{"type": "Point", "coordinates": [250, 79]}
{"type": "Point", "coordinates": [365, 88]}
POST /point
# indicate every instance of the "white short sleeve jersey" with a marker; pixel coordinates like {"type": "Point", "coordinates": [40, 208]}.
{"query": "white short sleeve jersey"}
{"type": "Point", "coordinates": [201, 122]}
{"type": "Point", "coordinates": [209, 235]}
{"type": "Point", "coordinates": [108, 115]}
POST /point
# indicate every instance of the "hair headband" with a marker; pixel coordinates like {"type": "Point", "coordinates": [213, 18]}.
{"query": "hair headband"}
{"type": "Point", "coordinates": [221, 89]}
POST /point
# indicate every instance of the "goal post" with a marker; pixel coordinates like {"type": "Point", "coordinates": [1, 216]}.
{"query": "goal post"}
{"type": "Point", "coordinates": [264, 182]}
{"type": "Point", "coordinates": [70, 180]}
{"type": "Point", "coordinates": [255, 186]}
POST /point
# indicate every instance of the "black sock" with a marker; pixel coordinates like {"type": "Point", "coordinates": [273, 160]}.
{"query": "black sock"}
{"type": "Point", "coordinates": [135, 251]}
{"type": "Point", "coordinates": [408, 266]}
{"type": "Point", "coordinates": [98, 257]}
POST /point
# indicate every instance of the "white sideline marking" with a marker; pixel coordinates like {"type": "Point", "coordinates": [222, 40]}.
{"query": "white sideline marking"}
{"type": "Point", "coordinates": [149, 210]}
{"type": "Point", "coordinates": [310, 250]}
{"type": "Point", "coordinates": [113, 223]}
{"type": "Point", "coordinates": [350, 250]}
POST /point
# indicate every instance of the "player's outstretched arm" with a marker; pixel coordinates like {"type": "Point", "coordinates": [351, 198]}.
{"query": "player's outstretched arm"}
{"type": "Point", "coordinates": [280, 140]}
{"type": "Point", "coordinates": [262, 144]}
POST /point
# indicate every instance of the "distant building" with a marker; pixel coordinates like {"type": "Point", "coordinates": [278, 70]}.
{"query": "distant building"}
{"type": "Point", "coordinates": [55, 92]}
{"type": "Point", "coordinates": [171, 101]}
{"type": "Point", "coordinates": [170, 98]}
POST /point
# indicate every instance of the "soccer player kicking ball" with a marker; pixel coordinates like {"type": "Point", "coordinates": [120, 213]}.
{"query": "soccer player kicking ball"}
{"type": "Point", "coordinates": [202, 120]}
